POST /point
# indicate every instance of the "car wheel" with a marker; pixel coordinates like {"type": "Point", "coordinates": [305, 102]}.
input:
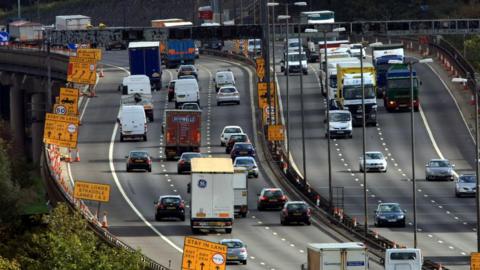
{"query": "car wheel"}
{"type": "Point", "coordinates": [360, 169]}
{"type": "Point", "coordinates": [121, 138]}
{"type": "Point", "coordinates": [149, 169]}
{"type": "Point", "coordinates": [222, 144]}
{"type": "Point", "coordinates": [384, 171]}
{"type": "Point", "coordinates": [256, 175]}
{"type": "Point", "coordinates": [350, 136]}
{"type": "Point", "coordinates": [259, 208]}
{"type": "Point", "coordinates": [182, 218]}
{"type": "Point", "coordinates": [145, 137]}
{"type": "Point", "coordinates": [244, 262]}
{"type": "Point", "coordinates": [402, 223]}
{"type": "Point", "coordinates": [195, 231]}
{"type": "Point", "coordinates": [128, 169]}
{"type": "Point", "coordinates": [282, 222]}
{"type": "Point", "coordinates": [157, 217]}
{"type": "Point", "coordinates": [228, 230]}
{"type": "Point", "coordinates": [151, 118]}
{"type": "Point", "coordinates": [226, 151]}
{"type": "Point", "coordinates": [218, 103]}
{"type": "Point", "coordinates": [238, 103]}
{"type": "Point", "coordinates": [427, 178]}
{"type": "Point", "coordinates": [308, 222]}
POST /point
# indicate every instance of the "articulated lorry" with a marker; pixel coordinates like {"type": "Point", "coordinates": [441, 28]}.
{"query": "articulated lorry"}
{"type": "Point", "coordinates": [398, 88]}
{"type": "Point", "coordinates": [144, 58]}
{"type": "Point", "coordinates": [349, 91]}
{"type": "Point", "coordinates": [212, 194]}
{"type": "Point", "coordinates": [182, 132]}
{"type": "Point", "coordinates": [177, 52]}
{"type": "Point", "coordinates": [336, 256]}
{"type": "Point", "coordinates": [381, 56]}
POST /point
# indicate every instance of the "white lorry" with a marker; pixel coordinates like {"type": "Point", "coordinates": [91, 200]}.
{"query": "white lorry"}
{"type": "Point", "coordinates": [337, 256]}
{"type": "Point", "coordinates": [240, 190]}
{"type": "Point", "coordinates": [136, 90]}
{"type": "Point", "coordinates": [212, 194]}
{"type": "Point", "coordinates": [404, 258]}
{"type": "Point", "coordinates": [72, 22]}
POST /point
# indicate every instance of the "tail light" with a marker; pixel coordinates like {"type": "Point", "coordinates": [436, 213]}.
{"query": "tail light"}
{"type": "Point", "coordinates": [145, 127]}
{"type": "Point", "coordinates": [243, 250]}
{"type": "Point", "coordinates": [149, 161]}
{"type": "Point", "coordinates": [161, 206]}
{"type": "Point", "coordinates": [197, 136]}
{"type": "Point", "coordinates": [285, 211]}
{"type": "Point", "coordinates": [182, 205]}
{"type": "Point", "coordinates": [263, 198]}
{"type": "Point", "coordinates": [309, 212]}
{"type": "Point", "coordinates": [169, 136]}
{"type": "Point", "coordinates": [228, 223]}
{"type": "Point", "coordinates": [181, 161]}
{"type": "Point", "coordinates": [284, 198]}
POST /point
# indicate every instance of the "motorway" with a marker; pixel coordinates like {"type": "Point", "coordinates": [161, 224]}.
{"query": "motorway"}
{"type": "Point", "coordinates": [130, 210]}
{"type": "Point", "coordinates": [446, 224]}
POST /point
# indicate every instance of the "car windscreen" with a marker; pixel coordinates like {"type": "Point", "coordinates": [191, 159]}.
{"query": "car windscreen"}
{"type": "Point", "coordinates": [439, 163]}
{"type": "Point", "coordinates": [273, 193]}
{"type": "Point", "coordinates": [403, 256]}
{"type": "Point", "coordinates": [238, 138]}
{"type": "Point", "coordinates": [296, 206]}
{"type": "Point", "coordinates": [186, 68]}
{"type": "Point", "coordinates": [294, 57]}
{"type": "Point", "coordinates": [243, 161]}
{"type": "Point", "coordinates": [228, 90]}
{"type": "Point", "coordinates": [188, 157]}
{"type": "Point", "coordinates": [401, 83]}
{"type": "Point", "coordinates": [355, 92]}
{"type": "Point", "coordinates": [390, 208]}
{"type": "Point", "coordinates": [374, 156]}
{"type": "Point", "coordinates": [170, 201]}
{"type": "Point", "coordinates": [233, 244]}
{"type": "Point", "coordinates": [243, 146]}
{"type": "Point", "coordinates": [467, 179]}
{"type": "Point", "coordinates": [138, 155]}
{"type": "Point", "coordinates": [339, 117]}
{"type": "Point", "coordinates": [232, 130]}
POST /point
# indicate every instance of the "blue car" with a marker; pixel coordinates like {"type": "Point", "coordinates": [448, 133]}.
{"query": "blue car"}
{"type": "Point", "coordinates": [389, 214]}
{"type": "Point", "coordinates": [242, 150]}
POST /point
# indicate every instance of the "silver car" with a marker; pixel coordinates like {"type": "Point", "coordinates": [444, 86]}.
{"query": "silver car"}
{"type": "Point", "coordinates": [466, 185]}
{"type": "Point", "coordinates": [228, 94]}
{"type": "Point", "coordinates": [374, 161]}
{"type": "Point", "coordinates": [236, 250]}
{"type": "Point", "coordinates": [439, 169]}
{"type": "Point", "coordinates": [248, 163]}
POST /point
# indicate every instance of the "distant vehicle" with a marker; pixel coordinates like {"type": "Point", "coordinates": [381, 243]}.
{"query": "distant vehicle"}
{"type": "Point", "coordinates": [138, 160]}
{"type": "Point", "coordinates": [212, 194]}
{"type": "Point", "coordinates": [191, 106]}
{"type": "Point", "coordinates": [178, 51]}
{"type": "Point", "coordinates": [234, 138]}
{"type": "Point", "coordinates": [389, 214]}
{"type": "Point", "coordinates": [404, 258]}
{"type": "Point", "coordinates": [182, 132]}
{"type": "Point", "coordinates": [375, 161]}
{"type": "Point", "coordinates": [184, 163]}
{"type": "Point", "coordinates": [271, 198]}
{"type": "Point", "coordinates": [340, 124]}
{"type": "Point", "coordinates": [295, 211]}
{"type": "Point", "coordinates": [228, 94]}
{"type": "Point", "coordinates": [317, 17]}
{"type": "Point", "coordinates": [144, 58]}
{"type": "Point", "coordinates": [223, 78]}
{"type": "Point", "coordinates": [187, 70]}
{"type": "Point", "coordinates": [72, 22]}
{"type": "Point", "coordinates": [337, 256]}
{"type": "Point", "coordinates": [439, 169]}
{"type": "Point", "coordinates": [466, 185]}
{"type": "Point", "coordinates": [132, 122]}
{"type": "Point", "coordinates": [171, 90]}
{"type": "Point", "coordinates": [382, 54]}
{"type": "Point", "coordinates": [293, 62]}
{"type": "Point", "coordinates": [248, 163]}
{"type": "Point", "coordinates": [236, 250]}
{"type": "Point", "coordinates": [169, 206]}
{"type": "Point", "coordinates": [116, 44]}
{"type": "Point", "coordinates": [227, 132]}
{"type": "Point", "coordinates": [186, 91]}
{"type": "Point", "coordinates": [356, 50]}
{"type": "Point", "coordinates": [254, 46]}
{"type": "Point", "coordinates": [398, 86]}
{"type": "Point", "coordinates": [136, 90]}
{"type": "Point", "coordinates": [242, 150]}
{"type": "Point", "coordinates": [183, 77]}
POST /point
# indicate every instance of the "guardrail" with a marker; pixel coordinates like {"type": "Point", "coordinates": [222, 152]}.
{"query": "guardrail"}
{"type": "Point", "coordinates": [340, 222]}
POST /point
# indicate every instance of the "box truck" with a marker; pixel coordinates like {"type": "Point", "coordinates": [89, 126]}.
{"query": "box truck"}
{"type": "Point", "coordinates": [72, 22]}
{"type": "Point", "coordinates": [144, 58]}
{"type": "Point", "coordinates": [212, 194]}
{"type": "Point", "coordinates": [404, 258]}
{"type": "Point", "coordinates": [337, 256]}
{"type": "Point", "coordinates": [136, 90]}
{"type": "Point", "coordinates": [240, 190]}
{"type": "Point", "coordinates": [182, 132]}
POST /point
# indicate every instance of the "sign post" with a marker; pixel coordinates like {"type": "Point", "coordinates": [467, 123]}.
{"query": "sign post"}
{"type": "Point", "coordinates": [201, 254]}
{"type": "Point", "coordinates": [92, 192]}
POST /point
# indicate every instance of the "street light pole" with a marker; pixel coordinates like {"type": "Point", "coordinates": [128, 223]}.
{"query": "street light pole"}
{"type": "Point", "coordinates": [330, 188]}
{"type": "Point", "coordinates": [301, 103]}
{"type": "Point", "coordinates": [364, 143]}
{"type": "Point", "coordinates": [414, 181]}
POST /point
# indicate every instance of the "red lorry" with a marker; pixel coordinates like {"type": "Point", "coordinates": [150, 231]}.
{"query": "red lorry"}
{"type": "Point", "coordinates": [182, 132]}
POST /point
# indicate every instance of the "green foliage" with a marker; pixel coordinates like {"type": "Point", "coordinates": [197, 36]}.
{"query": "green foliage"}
{"type": "Point", "coordinates": [6, 264]}
{"type": "Point", "coordinates": [9, 195]}
{"type": "Point", "coordinates": [472, 46]}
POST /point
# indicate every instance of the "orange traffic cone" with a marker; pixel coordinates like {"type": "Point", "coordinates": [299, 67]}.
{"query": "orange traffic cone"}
{"type": "Point", "coordinates": [101, 73]}
{"type": "Point", "coordinates": [68, 158]}
{"type": "Point", "coordinates": [77, 156]}
{"type": "Point", "coordinates": [104, 220]}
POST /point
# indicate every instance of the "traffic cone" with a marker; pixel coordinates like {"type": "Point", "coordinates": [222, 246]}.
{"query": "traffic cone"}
{"type": "Point", "coordinates": [472, 100]}
{"type": "Point", "coordinates": [354, 222]}
{"type": "Point", "coordinates": [104, 221]}
{"type": "Point", "coordinates": [318, 200]}
{"type": "Point", "coordinates": [101, 73]}
{"type": "Point", "coordinates": [77, 156]}
{"type": "Point", "coordinates": [375, 234]}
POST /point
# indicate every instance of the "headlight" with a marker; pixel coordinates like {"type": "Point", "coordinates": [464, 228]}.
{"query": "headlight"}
{"type": "Point", "coordinates": [156, 74]}
{"type": "Point", "coordinates": [374, 107]}
{"type": "Point", "coordinates": [401, 216]}
{"type": "Point", "coordinates": [382, 217]}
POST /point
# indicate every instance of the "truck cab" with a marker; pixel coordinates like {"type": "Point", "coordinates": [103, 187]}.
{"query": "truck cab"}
{"type": "Point", "coordinates": [398, 90]}
{"type": "Point", "coordinates": [405, 258]}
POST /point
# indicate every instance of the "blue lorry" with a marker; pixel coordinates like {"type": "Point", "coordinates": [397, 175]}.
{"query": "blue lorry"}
{"type": "Point", "coordinates": [382, 55]}
{"type": "Point", "coordinates": [176, 52]}
{"type": "Point", "coordinates": [145, 59]}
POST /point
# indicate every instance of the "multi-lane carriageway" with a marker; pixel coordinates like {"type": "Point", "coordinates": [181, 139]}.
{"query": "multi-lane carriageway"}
{"type": "Point", "coordinates": [446, 223]}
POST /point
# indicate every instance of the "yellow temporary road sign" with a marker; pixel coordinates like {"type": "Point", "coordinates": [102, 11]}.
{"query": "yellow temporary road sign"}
{"type": "Point", "coordinates": [90, 54]}
{"type": "Point", "coordinates": [260, 68]}
{"type": "Point", "coordinates": [61, 130]}
{"type": "Point", "coordinates": [69, 98]}
{"type": "Point", "coordinates": [200, 254]}
{"type": "Point", "coordinates": [262, 94]}
{"type": "Point", "coordinates": [91, 191]}
{"type": "Point", "coordinates": [268, 114]}
{"type": "Point", "coordinates": [82, 70]}
{"type": "Point", "coordinates": [60, 109]}
{"type": "Point", "coordinates": [475, 261]}
{"type": "Point", "coordinates": [245, 47]}
{"type": "Point", "coordinates": [275, 133]}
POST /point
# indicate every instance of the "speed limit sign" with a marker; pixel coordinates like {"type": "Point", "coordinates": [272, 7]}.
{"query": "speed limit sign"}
{"type": "Point", "coordinates": [60, 109]}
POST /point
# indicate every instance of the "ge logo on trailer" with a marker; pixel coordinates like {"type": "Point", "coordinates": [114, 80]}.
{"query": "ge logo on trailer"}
{"type": "Point", "coordinates": [202, 183]}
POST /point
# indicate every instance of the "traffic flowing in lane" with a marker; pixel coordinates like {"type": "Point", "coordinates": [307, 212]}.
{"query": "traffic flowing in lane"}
{"type": "Point", "coordinates": [131, 209]}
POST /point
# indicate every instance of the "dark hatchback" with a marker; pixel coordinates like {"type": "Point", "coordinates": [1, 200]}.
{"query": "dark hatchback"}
{"type": "Point", "coordinates": [389, 214]}
{"type": "Point", "coordinates": [184, 163]}
{"type": "Point", "coordinates": [271, 198]}
{"type": "Point", "coordinates": [170, 206]}
{"type": "Point", "coordinates": [242, 150]}
{"type": "Point", "coordinates": [295, 211]}
{"type": "Point", "coordinates": [138, 160]}
{"type": "Point", "coordinates": [234, 138]}
{"type": "Point", "coordinates": [187, 70]}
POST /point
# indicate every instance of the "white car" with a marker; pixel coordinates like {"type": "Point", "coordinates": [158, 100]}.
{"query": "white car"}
{"type": "Point", "coordinates": [227, 132]}
{"type": "Point", "coordinates": [228, 94]}
{"type": "Point", "coordinates": [248, 163]}
{"type": "Point", "coordinates": [340, 124]}
{"type": "Point", "coordinates": [375, 161]}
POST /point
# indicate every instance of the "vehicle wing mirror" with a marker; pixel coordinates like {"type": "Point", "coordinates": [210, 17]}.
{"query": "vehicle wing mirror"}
{"type": "Point", "coordinates": [213, 79]}
{"type": "Point", "coordinates": [453, 165]}
{"type": "Point", "coordinates": [189, 188]}
{"type": "Point", "coordinates": [420, 82]}
{"type": "Point", "coordinates": [124, 90]}
{"type": "Point", "coordinates": [126, 156]}
{"type": "Point", "coordinates": [155, 202]}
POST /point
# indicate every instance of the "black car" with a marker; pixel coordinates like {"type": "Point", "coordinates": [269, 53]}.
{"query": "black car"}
{"type": "Point", "coordinates": [295, 211]}
{"type": "Point", "coordinates": [183, 164]}
{"type": "Point", "coordinates": [271, 198]}
{"type": "Point", "coordinates": [138, 160]}
{"type": "Point", "coordinates": [170, 206]}
{"type": "Point", "coordinates": [234, 138]}
{"type": "Point", "coordinates": [242, 150]}
{"type": "Point", "coordinates": [389, 214]}
{"type": "Point", "coordinates": [187, 70]}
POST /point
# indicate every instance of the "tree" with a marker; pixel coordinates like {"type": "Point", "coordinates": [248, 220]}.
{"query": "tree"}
{"type": "Point", "coordinates": [472, 47]}
{"type": "Point", "coordinates": [9, 194]}
{"type": "Point", "coordinates": [6, 264]}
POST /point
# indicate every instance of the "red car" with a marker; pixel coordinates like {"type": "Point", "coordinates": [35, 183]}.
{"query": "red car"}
{"type": "Point", "coordinates": [271, 198]}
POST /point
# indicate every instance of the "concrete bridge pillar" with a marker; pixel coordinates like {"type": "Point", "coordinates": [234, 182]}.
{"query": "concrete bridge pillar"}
{"type": "Point", "coordinates": [17, 114]}
{"type": "Point", "coordinates": [37, 101]}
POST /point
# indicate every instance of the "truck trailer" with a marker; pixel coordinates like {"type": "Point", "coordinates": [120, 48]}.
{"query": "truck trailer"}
{"type": "Point", "coordinates": [72, 22]}
{"type": "Point", "coordinates": [398, 88]}
{"type": "Point", "coordinates": [240, 190]}
{"type": "Point", "coordinates": [336, 256]}
{"type": "Point", "coordinates": [382, 56]}
{"type": "Point", "coordinates": [182, 132]}
{"type": "Point", "coordinates": [144, 58]}
{"type": "Point", "coordinates": [212, 194]}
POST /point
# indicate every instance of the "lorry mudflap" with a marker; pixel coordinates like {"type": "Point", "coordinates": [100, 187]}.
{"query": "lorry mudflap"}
{"type": "Point", "coordinates": [241, 210]}
{"type": "Point", "coordinates": [212, 223]}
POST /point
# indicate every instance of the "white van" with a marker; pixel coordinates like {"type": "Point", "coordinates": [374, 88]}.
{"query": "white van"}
{"type": "Point", "coordinates": [340, 124]}
{"type": "Point", "coordinates": [133, 122]}
{"type": "Point", "coordinates": [222, 78]}
{"type": "Point", "coordinates": [134, 84]}
{"type": "Point", "coordinates": [403, 258]}
{"type": "Point", "coordinates": [186, 91]}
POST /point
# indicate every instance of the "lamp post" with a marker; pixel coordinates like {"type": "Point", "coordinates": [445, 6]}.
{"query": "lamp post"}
{"type": "Point", "coordinates": [273, 5]}
{"type": "Point", "coordinates": [410, 62]}
{"type": "Point", "coordinates": [477, 172]}
{"type": "Point", "coordinates": [287, 128]}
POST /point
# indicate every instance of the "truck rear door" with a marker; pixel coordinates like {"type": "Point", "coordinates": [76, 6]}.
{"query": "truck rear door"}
{"type": "Point", "coordinates": [152, 61]}
{"type": "Point", "coordinates": [222, 205]}
{"type": "Point", "coordinates": [356, 260]}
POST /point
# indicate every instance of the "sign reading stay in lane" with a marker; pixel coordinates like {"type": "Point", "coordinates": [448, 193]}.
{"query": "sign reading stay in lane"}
{"type": "Point", "coordinates": [91, 191]}
{"type": "Point", "coordinates": [61, 130]}
{"type": "Point", "coordinates": [200, 254]}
